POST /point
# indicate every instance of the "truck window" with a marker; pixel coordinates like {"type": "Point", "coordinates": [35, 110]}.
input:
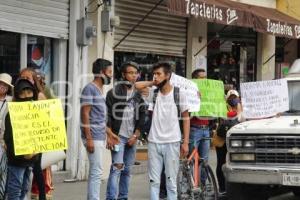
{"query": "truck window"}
{"type": "Point", "coordinates": [294, 95]}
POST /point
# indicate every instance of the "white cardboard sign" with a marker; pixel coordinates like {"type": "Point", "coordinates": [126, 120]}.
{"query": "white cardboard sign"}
{"type": "Point", "coordinates": [190, 89]}
{"type": "Point", "coordinates": [264, 98]}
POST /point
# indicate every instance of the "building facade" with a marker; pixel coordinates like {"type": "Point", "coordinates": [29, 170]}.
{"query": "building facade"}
{"type": "Point", "coordinates": [162, 36]}
{"type": "Point", "coordinates": [288, 51]}
{"type": "Point", "coordinates": [42, 34]}
{"type": "Point", "coordinates": [35, 34]}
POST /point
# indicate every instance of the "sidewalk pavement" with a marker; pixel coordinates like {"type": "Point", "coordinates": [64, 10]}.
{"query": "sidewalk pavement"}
{"type": "Point", "coordinates": [139, 188]}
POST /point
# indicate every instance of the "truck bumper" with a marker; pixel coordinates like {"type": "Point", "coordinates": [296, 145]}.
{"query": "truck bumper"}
{"type": "Point", "coordinates": [264, 175]}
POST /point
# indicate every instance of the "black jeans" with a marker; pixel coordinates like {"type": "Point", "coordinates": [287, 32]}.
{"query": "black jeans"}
{"type": "Point", "coordinates": [221, 160]}
{"type": "Point", "coordinates": [38, 174]}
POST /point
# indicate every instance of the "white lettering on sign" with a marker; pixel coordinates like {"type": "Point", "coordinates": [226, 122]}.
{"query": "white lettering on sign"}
{"type": "Point", "coordinates": [231, 16]}
{"type": "Point", "coordinates": [297, 31]}
{"type": "Point", "coordinates": [278, 28]}
{"type": "Point", "coordinates": [203, 10]}
{"type": "Point", "coordinates": [264, 98]}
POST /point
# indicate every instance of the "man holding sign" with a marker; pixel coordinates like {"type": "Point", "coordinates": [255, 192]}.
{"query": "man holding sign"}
{"type": "Point", "coordinates": [19, 167]}
{"type": "Point", "coordinates": [200, 128]}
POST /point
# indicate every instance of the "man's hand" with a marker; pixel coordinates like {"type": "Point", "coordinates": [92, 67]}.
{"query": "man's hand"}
{"type": "Point", "coordinates": [140, 85]}
{"type": "Point", "coordinates": [132, 140]}
{"type": "Point", "coordinates": [184, 150]}
{"type": "Point", "coordinates": [90, 145]}
{"type": "Point", "coordinates": [112, 140]}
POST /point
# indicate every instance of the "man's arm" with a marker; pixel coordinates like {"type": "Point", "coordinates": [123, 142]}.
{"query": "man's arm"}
{"type": "Point", "coordinates": [112, 138]}
{"type": "Point", "coordinates": [186, 133]}
{"type": "Point", "coordinates": [141, 85]}
{"type": "Point", "coordinates": [85, 120]}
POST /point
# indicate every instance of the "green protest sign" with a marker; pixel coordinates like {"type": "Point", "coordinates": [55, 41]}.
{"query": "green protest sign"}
{"type": "Point", "coordinates": [213, 102]}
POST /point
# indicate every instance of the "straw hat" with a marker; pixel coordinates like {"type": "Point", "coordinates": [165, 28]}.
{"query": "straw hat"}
{"type": "Point", "coordinates": [6, 78]}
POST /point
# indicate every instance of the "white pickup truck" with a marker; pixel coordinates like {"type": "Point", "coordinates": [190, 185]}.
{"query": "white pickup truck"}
{"type": "Point", "coordinates": [264, 155]}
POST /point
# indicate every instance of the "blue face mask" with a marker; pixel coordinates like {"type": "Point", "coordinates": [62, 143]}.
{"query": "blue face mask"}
{"type": "Point", "coordinates": [233, 102]}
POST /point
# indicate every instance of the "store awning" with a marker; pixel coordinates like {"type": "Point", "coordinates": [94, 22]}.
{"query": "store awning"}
{"type": "Point", "coordinates": [261, 19]}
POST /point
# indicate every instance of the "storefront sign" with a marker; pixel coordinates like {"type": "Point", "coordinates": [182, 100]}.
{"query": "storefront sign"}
{"type": "Point", "coordinates": [38, 126]}
{"type": "Point", "coordinates": [261, 19]}
{"type": "Point", "coordinates": [211, 12]}
{"type": "Point", "coordinates": [264, 98]}
{"type": "Point", "coordinates": [190, 90]}
{"type": "Point", "coordinates": [212, 98]}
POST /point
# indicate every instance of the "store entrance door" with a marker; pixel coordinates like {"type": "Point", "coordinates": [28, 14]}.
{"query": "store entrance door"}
{"type": "Point", "coordinates": [231, 55]}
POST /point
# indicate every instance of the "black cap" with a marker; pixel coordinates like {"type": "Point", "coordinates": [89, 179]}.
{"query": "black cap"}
{"type": "Point", "coordinates": [22, 84]}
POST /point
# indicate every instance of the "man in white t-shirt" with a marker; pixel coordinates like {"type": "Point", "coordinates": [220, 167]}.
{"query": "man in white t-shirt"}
{"type": "Point", "coordinates": [165, 135]}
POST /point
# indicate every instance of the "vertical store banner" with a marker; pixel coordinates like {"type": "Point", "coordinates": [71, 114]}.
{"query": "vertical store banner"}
{"type": "Point", "coordinates": [264, 98]}
{"type": "Point", "coordinates": [212, 98]}
{"type": "Point", "coordinates": [190, 89]}
{"type": "Point", "coordinates": [38, 126]}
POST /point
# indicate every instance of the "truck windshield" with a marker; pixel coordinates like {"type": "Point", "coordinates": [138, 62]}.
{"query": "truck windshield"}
{"type": "Point", "coordinates": [294, 95]}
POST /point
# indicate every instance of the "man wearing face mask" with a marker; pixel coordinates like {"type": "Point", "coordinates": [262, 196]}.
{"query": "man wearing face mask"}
{"type": "Point", "coordinates": [93, 118]}
{"type": "Point", "coordinates": [164, 145]}
{"type": "Point", "coordinates": [234, 116]}
{"type": "Point", "coordinates": [126, 115]}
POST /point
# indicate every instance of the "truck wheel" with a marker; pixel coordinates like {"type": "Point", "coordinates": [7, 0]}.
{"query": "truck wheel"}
{"type": "Point", "coordinates": [239, 191]}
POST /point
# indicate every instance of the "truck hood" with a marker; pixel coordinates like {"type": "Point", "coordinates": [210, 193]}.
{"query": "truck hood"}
{"type": "Point", "coordinates": [282, 124]}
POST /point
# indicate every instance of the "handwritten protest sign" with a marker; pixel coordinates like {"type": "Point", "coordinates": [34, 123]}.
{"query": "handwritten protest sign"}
{"type": "Point", "coordinates": [190, 90]}
{"type": "Point", "coordinates": [212, 98]}
{"type": "Point", "coordinates": [264, 98]}
{"type": "Point", "coordinates": [38, 126]}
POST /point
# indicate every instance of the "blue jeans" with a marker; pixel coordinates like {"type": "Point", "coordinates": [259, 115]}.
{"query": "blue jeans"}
{"type": "Point", "coordinates": [203, 145]}
{"type": "Point", "coordinates": [95, 170]}
{"type": "Point", "coordinates": [17, 182]}
{"type": "Point", "coordinates": [119, 178]}
{"type": "Point", "coordinates": [167, 154]}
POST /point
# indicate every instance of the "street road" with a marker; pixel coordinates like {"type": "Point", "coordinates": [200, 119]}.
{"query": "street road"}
{"type": "Point", "coordinates": [139, 189]}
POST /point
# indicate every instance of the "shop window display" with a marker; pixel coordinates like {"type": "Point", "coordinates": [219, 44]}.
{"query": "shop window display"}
{"type": "Point", "coordinates": [10, 53]}
{"type": "Point", "coordinates": [39, 54]}
{"type": "Point", "coordinates": [146, 62]}
{"type": "Point", "coordinates": [231, 55]}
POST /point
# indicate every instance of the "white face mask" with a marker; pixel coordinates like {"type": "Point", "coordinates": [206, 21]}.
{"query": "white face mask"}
{"type": "Point", "coordinates": [38, 62]}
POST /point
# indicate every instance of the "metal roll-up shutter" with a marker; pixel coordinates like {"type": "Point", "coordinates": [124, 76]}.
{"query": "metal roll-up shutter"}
{"type": "Point", "coordinates": [160, 33]}
{"type": "Point", "coordinates": [48, 18]}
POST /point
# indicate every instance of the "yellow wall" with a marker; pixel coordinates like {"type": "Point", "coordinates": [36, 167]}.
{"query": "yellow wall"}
{"type": "Point", "coordinates": [289, 7]}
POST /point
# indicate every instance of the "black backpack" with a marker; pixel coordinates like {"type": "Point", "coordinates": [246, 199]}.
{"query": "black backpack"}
{"type": "Point", "coordinates": [225, 125]}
